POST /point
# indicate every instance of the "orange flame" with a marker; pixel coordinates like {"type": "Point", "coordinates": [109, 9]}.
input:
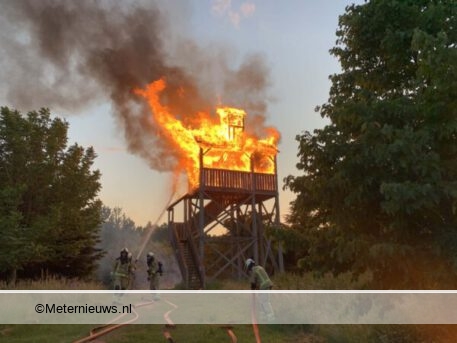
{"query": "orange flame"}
{"type": "Point", "coordinates": [225, 145]}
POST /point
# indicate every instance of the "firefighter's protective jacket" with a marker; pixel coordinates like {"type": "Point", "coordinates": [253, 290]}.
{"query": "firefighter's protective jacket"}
{"type": "Point", "coordinates": [260, 279]}
{"type": "Point", "coordinates": [153, 267]}
{"type": "Point", "coordinates": [123, 270]}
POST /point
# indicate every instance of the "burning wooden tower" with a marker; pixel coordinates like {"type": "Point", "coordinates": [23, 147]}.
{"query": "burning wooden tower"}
{"type": "Point", "coordinates": [233, 201]}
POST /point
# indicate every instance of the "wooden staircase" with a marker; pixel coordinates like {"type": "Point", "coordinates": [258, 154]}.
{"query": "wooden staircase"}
{"type": "Point", "coordinates": [193, 277]}
{"type": "Point", "coordinates": [187, 256]}
{"type": "Point", "coordinates": [184, 239]}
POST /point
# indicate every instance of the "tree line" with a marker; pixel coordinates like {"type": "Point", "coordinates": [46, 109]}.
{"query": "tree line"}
{"type": "Point", "coordinates": [51, 220]}
{"type": "Point", "coordinates": [378, 184]}
{"type": "Point", "coordinates": [49, 210]}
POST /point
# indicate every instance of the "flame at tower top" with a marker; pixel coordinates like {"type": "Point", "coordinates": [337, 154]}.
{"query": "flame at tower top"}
{"type": "Point", "coordinates": [224, 140]}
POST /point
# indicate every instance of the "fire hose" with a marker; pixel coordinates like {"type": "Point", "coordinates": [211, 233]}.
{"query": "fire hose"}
{"type": "Point", "coordinates": [230, 333]}
{"type": "Point", "coordinates": [255, 326]}
{"type": "Point", "coordinates": [107, 328]}
{"type": "Point", "coordinates": [104, 329]}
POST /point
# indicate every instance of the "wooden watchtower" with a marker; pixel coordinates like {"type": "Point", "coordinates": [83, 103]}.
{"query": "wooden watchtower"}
{"type": "Point", "coordinates": [241, 203]}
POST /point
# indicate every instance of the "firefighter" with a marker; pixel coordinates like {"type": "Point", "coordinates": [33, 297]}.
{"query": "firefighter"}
{"type": "Point", "coordinates": [132, 271]}
{"type": "Point", "coordinates": [260, 280]}
{"type": "Point", "coordinates": [154, 270]}
{"type": "Point", "coordinates": [122, 271]}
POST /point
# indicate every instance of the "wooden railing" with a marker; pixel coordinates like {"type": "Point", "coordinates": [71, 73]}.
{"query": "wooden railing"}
{"type": "Point", "coordinates": [230, 179]}
{"type": "Point", "coordinates": [265, 182]}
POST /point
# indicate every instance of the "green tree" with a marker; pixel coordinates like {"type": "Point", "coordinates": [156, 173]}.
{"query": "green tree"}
{"type": "Point", "coordinates": [379, 183]}
{"type": "Point", "coordinates": [160, 233]}
{"type": "Point", "coordinates": [50, 213]}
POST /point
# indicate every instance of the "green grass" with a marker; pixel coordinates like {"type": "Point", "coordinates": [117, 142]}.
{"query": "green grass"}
{"type": "Point", "coordinates": [244, 333]}
{"type": "Point", "coordinates": [212, 333]}
{"type": "Point", "coordinates": [42, 333]}
{"type": "Point", "coordinates": [154, 333]}
{"type": "Point", "coordinates": [197, 334]}
{"type": "Point", "coordinates": [137, 333]}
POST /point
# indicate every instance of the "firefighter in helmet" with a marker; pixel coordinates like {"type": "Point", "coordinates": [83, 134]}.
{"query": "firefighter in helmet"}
{"type": "Point", "coordinates": [122, 270]}
{"type": "Point", "coordinates": [132, 271]}
{"type": "Point", "coordinates": [154, 270]}
{"type": "Point", "coordinates": [260, 280]}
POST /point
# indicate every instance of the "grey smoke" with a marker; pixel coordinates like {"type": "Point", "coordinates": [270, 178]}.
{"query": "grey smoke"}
{"type": "Point", "coordinates": [71, 54]}
{"type": "Point", "coordinates": [118, 231]}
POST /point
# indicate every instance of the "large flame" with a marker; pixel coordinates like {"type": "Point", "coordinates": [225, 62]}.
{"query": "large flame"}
{"type": "Point", "coordinates": [225, 144]}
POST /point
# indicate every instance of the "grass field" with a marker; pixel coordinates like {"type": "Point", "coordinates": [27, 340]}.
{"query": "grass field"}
{"type": "Point", "coordinates": [244, 333]}
{"type": "Point", "coordinates": [142, 333]}
{"type": "Point", "coordinates": [154, 333]}
{"type": "Point", "coordinates": [139, 333]}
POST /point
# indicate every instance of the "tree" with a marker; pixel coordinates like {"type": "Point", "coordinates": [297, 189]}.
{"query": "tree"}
{"type": "Point", "coordinates": [379, 183]}
{"type": "Point", "coordinates": [160, 233]}
{"type": "Point", "coordinates": [50, 213]}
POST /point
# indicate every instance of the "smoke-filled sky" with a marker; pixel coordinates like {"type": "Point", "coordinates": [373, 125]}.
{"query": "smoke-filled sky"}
{"type": "Point", "coordinates": [82, 59]}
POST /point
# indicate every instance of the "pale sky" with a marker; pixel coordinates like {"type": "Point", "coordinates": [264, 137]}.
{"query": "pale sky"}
{"type": "Point", "coordinates": [293, 36]}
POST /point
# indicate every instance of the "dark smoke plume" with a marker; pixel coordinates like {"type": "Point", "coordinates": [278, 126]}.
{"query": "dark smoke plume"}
{"type": "Point", "coordinates": [70, 54]}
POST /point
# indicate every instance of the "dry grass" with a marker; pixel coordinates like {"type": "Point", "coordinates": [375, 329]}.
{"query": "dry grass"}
{"type": "Point", "coordinates": [327, 281]}
{"type": "Point", "coordinates": [53, 283]}
{"type": "Point", "coordinates": [292, 281]}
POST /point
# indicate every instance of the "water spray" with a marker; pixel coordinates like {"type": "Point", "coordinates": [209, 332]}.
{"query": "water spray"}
{"type": "Point", "coordinates": [154, 225]}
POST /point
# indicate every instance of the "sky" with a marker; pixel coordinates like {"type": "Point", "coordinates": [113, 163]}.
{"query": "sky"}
{"type": "Point", "coordinates": [291, 42]}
